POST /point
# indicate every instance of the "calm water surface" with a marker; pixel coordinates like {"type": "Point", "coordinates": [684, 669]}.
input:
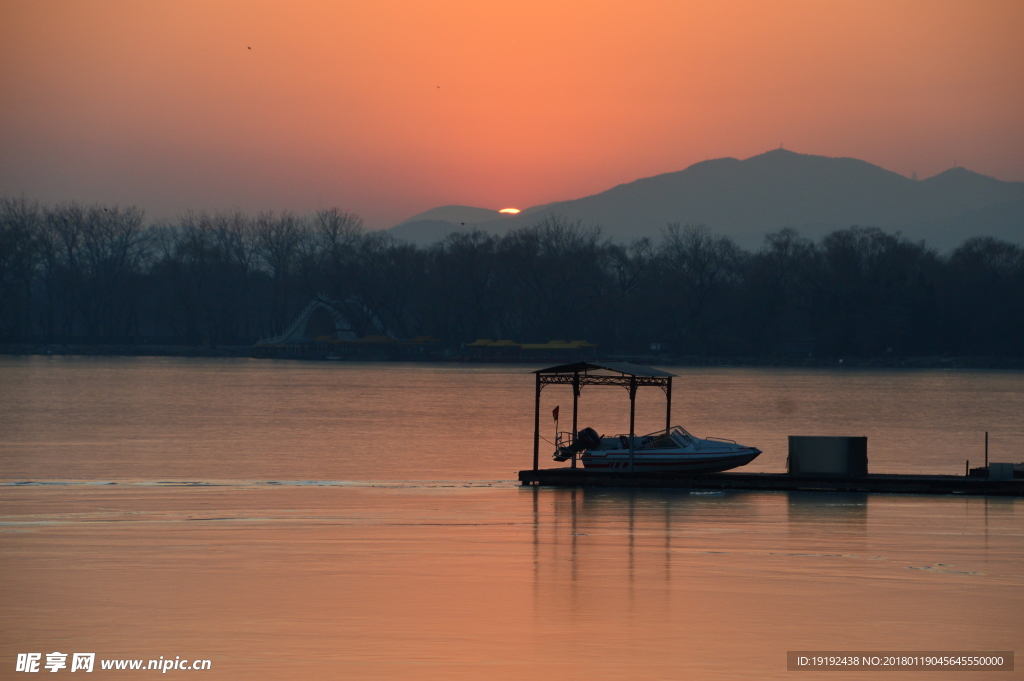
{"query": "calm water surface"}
{"type": "Point", "coordinates": [182, 419]}
{"type": "Point", "coordinates": [319, 521]}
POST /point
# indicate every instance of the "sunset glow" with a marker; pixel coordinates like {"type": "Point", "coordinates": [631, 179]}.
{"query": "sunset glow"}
{"type": "Point", "coordinates": [391, 108]}
{"type": "Point", "coordinates": [276, 375]}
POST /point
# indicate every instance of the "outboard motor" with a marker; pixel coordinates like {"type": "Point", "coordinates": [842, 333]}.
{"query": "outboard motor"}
{"type": "Point", "coordinates": [587, 439]}
{"type": "Point", "coordinates": [584, 440]}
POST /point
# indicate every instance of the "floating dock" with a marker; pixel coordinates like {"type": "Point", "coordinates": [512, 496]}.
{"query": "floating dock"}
{"type": "Point", "coordinates": [782, 482]}
{"type": "Point", "coordinates": [814, 464]}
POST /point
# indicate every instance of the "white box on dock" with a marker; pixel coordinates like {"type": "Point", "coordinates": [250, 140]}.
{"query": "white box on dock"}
{"type": "Point", "coordinates": [828, 455]}
{"type": "Point", "coordinates": [1000, 471]}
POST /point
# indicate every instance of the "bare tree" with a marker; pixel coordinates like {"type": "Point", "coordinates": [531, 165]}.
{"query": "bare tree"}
{"type": "Point", "coordinates": [280, 240]}
{"type": "Point", "coordinates": [20, 223]}
{"type": "Point", "coordinates": [112, 251]}
{"type": "Point", "coordinates": [697, 273]}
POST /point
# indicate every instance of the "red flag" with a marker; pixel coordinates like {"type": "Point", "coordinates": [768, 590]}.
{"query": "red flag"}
{"type": "Point", "coordinates": [554, 413]}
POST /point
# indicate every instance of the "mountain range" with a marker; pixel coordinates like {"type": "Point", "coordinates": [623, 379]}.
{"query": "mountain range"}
{"type": "Point", "coordinates": [748, 199]}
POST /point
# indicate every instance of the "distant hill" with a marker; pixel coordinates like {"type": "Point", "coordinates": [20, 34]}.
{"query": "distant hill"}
{"type": "Point", "coordinates": [748, 199]}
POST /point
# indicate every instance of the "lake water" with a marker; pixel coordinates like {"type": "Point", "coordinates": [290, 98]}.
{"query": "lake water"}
{"type": "Point", "coordinates": [291, 520]}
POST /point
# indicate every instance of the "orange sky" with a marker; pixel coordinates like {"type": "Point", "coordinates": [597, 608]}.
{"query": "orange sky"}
{"type": "Point", "coordinates": [161, 104]}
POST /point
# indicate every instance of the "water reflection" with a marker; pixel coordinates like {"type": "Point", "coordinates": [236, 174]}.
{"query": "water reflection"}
{"type": "Point", "coordinates": [629, 549]}
{"type": "Point", "coordinates": [603, 551]}
{"type": "Point", "coordinates": [469, 580]}
{"type": "Point", "coordinates": [459, 582]}
{"type": "Point", "coordinates": [828, 512]}
{"type": "Point", "coordinates": [663, 566]}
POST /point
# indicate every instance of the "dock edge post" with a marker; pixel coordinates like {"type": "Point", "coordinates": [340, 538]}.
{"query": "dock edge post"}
{"type": "Point", "coordinates": [575, 408]}
{"type": "Point", "coordinates": [668, 404]}
{"type": "Point", "coordinates": [632, 418]}
{"type": "Point", "coordinates": [536, 427]}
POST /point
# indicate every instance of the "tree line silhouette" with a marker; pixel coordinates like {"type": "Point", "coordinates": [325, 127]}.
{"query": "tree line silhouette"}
{"type": "Point", "coordinates": [72, 273]}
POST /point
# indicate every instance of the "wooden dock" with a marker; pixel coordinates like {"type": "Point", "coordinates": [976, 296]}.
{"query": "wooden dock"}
{"type": "Point", "coordinates": [782, 482]}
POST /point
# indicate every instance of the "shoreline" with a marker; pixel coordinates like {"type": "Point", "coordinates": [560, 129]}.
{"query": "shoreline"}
{"type": "Point", "coordinates": [254, 352]}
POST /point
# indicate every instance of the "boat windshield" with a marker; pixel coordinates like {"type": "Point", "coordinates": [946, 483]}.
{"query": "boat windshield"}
{"type": "Point", "coordinates": [677, 436]}
{"type": "Point", "coordinates": [681, 434]}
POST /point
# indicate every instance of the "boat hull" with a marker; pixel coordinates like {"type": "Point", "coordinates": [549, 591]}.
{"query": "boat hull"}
{"type": "Point", "coordinates": [710, 462]}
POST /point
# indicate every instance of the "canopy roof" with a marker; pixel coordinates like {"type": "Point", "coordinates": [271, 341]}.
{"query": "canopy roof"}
{"type": "Point", "coordinates": [624, 368]}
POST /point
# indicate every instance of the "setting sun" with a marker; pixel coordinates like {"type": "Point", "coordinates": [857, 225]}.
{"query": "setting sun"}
{"type": "Point", "coordinates": [509, 211]}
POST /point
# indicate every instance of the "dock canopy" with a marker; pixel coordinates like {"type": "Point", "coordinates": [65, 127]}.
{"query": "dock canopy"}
{"type": "Point", "coordinates": [578, 374]}
{"type": "Point", "coordinates": [624, 369]}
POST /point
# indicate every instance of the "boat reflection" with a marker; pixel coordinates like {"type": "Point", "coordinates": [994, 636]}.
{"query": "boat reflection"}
{"type": "Point", "coordinates": [600, 551]}
{"type": "Point", "coordinates": [828, 514]}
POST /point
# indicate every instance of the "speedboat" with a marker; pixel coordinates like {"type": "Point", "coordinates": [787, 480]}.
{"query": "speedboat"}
{"type": "Point", "coordinates": [668, 450]}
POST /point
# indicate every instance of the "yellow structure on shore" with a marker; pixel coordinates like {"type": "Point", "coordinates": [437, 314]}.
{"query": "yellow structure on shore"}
{"type": "Point", "coordinates": [485, 347]}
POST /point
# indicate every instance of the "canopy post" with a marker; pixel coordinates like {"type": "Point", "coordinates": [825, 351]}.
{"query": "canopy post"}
{"type": "Point", "coordinates": [575, 407]}
{"type": "Point", "coordinates": [668, 405]}
{"type": "Point", "coordinates": [632, 418]}
{"type": "Point", "coordinates": [536, 427]}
